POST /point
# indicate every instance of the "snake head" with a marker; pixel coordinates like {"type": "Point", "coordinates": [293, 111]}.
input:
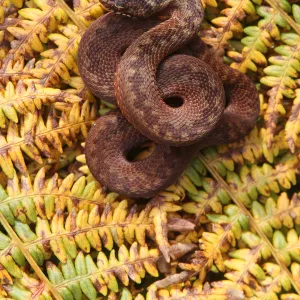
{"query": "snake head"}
{"type": "Point", "coordinates": [135, 8]}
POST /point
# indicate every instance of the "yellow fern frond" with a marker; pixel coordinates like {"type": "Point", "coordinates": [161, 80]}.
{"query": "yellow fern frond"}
{"type": "Point", "coordinates": [22, 100]}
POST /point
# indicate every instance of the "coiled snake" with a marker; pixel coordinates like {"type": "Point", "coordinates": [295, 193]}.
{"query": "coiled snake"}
{"type": "Point", "coordinates": [144, 63]}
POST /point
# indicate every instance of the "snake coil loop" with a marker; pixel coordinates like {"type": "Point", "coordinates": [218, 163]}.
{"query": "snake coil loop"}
{"type": "Point", "coordinates": [142, 64]}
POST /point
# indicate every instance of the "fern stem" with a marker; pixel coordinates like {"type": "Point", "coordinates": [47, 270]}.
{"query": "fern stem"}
{"type": "Point", "coordinates": [71, 14]}
{"type": "Point", "coordinates": [28, 257]}
{"type": "Point", "coordinates": [275, 5]}
{"type": "Point", "coordinates": [252, 222]}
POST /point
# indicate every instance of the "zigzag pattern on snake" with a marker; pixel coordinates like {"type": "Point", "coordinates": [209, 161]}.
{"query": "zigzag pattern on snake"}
{"type": "Point", "coordinates": [140, 64]}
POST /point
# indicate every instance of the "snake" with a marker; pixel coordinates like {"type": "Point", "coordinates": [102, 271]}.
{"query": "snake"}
{"type": "Point", "coordinates": [142, 55]}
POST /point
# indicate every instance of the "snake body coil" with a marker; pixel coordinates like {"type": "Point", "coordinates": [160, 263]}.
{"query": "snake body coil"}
{"type": "Point", "coordinates": [140, 64]}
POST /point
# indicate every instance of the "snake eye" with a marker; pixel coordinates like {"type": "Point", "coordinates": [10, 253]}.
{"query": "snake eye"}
{"type": "Point", "coordinates": [120, 3]}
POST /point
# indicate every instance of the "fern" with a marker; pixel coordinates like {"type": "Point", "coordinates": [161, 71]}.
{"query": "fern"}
{"type": "Point", "coordinates": [292, 125]}
{"type": "Point", "coordinates": [259, 39]}
{"type": "Point", "coordinates": [131, 263]}
{"type": "Point", "coordinates": [274, 214]}
{"type": "Point", "coordinates": [36, 137]}
{"type": "Point", "coordinates": [198, 290]}
{"type": "Point", "coordinates": [32, 31]}
{"type": "Point", "coordinates": [57, 63]}
{"type": "Point", "coordinates": [280, 77]}
{"type": "Point", "coordinates": [87, 10]}
{"type": "Point", "coordinates": [24, 100]}
{"type": "Point", "coordinates": [228, 228]}
{"type": "Point", "coordinates": [253, 149]}
{"type": "Point", "coordinates": [229, 24]}
{"type": "Point", "coordinates": [26, 199]}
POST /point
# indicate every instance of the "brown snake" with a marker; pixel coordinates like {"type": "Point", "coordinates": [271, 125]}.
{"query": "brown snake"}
{"type": "Point", "coordinates": [143, 63]}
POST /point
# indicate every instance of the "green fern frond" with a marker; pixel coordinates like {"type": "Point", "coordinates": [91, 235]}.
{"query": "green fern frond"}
{"type": "Point", "coordinates": [247, 185]}
{"type": "Point", "coordinates": [259, 39]}
{"type": "Point", "coordinates": [296, 12]}
{"type": "Point", "coordinates": [253, 149]}
{"type": "Point", "coordinates": [11, 260]}
{"type": "Point", "coordinates": [26, 199]}
{"type": "Point", "coordinates": [26, 287]}
{"type": "Point", "coordinates": [287, 246]}
{"type": "Point", "coordinates": [276, 213]}
{"type": "Point", "coordinates": [84, 275]}
{"type": "Point", "coordinates": [209, 198]}
{"type": "Point", "coordinates": [113, 224]}
{"type": "Point", "coordinates": [14, 281]}
{"type": "Point", "coordinates": [229, 24]}
{"type": "Point", "coordinates": [263, 180]}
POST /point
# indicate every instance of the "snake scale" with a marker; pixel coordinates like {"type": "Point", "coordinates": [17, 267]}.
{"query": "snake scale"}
{"type": "Point", "coordinates": [141, 63]}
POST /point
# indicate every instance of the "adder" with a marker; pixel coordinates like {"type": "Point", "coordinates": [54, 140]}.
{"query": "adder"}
{"type": "Point", "coordinates": [142, 63]}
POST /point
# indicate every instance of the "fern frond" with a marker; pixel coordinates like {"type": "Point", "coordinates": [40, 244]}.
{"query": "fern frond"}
{"type": "Point", "coordinates": [76, 83]}
{"type": "Point", "coordinates": [15, 71]}
{"type": "Point", "coordinates": [263, 180]}
{"type": "Point", "coordinates": [259, 39]}
{"type": "Point", "coordinates": [292, 126]}
{"type": "Point", "coordinates": [35, 136]}
{"type": "Point", "coordinates": [22, 100]}
{"type": "Point", "coordinates": [85, 276]}
{"type": "Point", "coordinates": [104, 225]}
{"type": "Point", "coordinates": [213, 245]}
{"type": "Point", "coordinates": [253, 149]}
{"type": "Point", "coordinates": [5, 36]}
{"type": "Point", "coordinates": [31, 31]}
{"type": "Point", "coordinates": [197, 290]}
{"type": "Point", "coordinates": [209, 198]}
{"type": "Point", "coordinates": [244, 265]}
{"type": "Point", "coordinates": [26, 199]}
{"type": "Point", "coordinates": [287, 246]}
{"type": "Point", "coordinates": [11, 261]}
{"type": "Point", "coordinates": [112, 224]}
{"type": "Point", "coordinates": [247, 185]}
{"type": "Point", "coordinates": [296, 12]}
{"type": "Point", "coordinates": [14, 280]}
{"type": "Point", "coordinates": [17, 3]}
{"type": "Point", "coordinates": [27, 287]}
{"type": "Point", "coordinates": [257, 280]}
{"type": "Point", "coordinates": [276, 213]}
{"type": "Point", "coordinates": [229, 24]}
{"type": "Point", "coordinates": [87, 10]}
{"type": "Point", "coordinates": [57, 63]}
{"type": "Point", "coordinates": [58, 163]}
{"type": "Point", "coordinates": [281, 76]}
